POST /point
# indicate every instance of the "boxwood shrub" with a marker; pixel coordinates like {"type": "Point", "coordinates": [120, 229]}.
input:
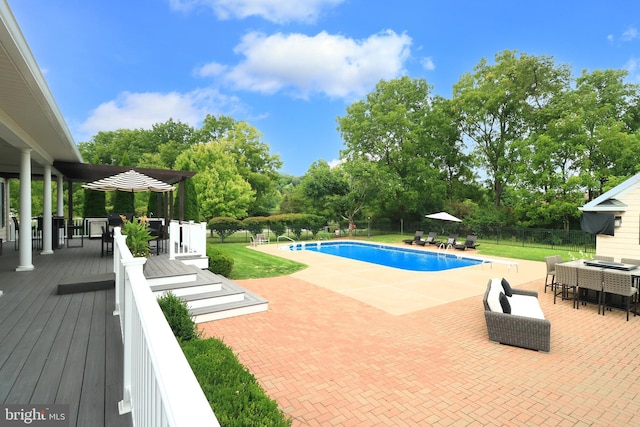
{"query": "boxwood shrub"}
{"type": "Point", "coordinates": [177, 314]}
{"type": "Point", "coordinates": [219, 263]}
{"type": "Point", "coordinates": [232, 391]}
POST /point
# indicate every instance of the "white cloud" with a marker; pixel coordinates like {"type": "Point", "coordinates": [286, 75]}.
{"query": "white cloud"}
{"type": "Point", "coordinates": [610, 38]}
{"type": "Point", "coordinates": [211, 69]}
{"type": "Point", "coordinates": [630, 34]}
{"type": "Point", "coordinates": [272, 10]}
{"type": "Point", "coordinates": [143, 110]}
{"type": "Point", "coordinates": [333, 65]}
{"type": "Point", "coordinates": [335, 162]}
{"type": "Point", "coordinates": [633, 67]}
{"type": "Point", "coordinates": [428, 64]}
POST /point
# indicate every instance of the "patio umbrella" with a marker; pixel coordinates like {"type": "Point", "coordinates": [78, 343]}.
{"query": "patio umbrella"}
{"type": "Point", "coordinates": [130, 181]}
{"type": "Point", "coordinates": [443, 216]}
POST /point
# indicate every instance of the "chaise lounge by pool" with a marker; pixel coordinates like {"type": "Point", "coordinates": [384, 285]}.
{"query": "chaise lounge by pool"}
{"type": "Point", "coordinates": [389, 256]}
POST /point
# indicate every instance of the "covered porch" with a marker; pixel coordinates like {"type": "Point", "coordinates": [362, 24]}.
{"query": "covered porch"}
{"type": "Point", "coordinates": [61, 349]}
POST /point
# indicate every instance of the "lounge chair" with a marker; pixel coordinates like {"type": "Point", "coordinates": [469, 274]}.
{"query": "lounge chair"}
{"type": "Point", "coordinates": [416, 238]}
{"type": "Point", "coordinates": [470, 243]}
{"type": "Point", "coordinates": [430, 240]}
{"type": "Point", "coordinates": [451, 241]}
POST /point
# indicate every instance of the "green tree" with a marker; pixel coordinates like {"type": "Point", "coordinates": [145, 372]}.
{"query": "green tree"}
{"type": "Point", "coordinates": [388, 131]}
{"type": "Point", "coordinates": [497, 106]}
{"type": "Point", "coordinates": [94, 204]}
{"type": "Point", "coordinates": [221, 190]}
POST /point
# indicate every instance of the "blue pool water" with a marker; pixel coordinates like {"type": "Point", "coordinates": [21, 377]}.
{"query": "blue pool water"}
{"type": "Point", "coordinates": [390, 256]}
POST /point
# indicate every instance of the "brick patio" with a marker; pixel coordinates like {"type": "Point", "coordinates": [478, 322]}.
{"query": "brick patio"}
{"type": "Point", "coordinates": [330, 360]}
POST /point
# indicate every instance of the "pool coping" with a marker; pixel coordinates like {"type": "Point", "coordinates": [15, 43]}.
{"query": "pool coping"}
{"type": "Point", "coordinates": [400, 292]}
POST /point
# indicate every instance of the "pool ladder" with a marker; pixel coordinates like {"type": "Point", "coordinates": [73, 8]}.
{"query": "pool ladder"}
{"type": "Point", "coordinates": [283, 237]}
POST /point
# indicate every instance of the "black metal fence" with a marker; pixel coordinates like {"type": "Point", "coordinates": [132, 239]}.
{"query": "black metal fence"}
{"type": "Point", "coordinates": [571, 240]}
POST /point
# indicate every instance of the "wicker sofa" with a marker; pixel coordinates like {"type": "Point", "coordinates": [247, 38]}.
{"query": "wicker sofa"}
{"type": "Point", "coordinates": [524, 326]}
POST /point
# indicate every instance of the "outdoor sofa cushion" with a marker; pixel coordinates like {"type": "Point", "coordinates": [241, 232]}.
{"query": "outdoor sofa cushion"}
{"type": "Point", "coordinates": [525, 327]}
{"type": "Point", "coordinates": [520, 305]}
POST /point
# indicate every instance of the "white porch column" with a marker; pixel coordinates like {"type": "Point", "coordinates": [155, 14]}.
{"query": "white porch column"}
{"type": "Point", "coordinates": [47, 224]}
{"type": "Point", "coordinates": [60, 198]}
{"type": "Point", "coordinates": [25, 213]}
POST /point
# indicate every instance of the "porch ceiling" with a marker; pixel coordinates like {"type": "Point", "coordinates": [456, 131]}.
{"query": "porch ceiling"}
{"type": "Point", "coordinates": [29, 115]}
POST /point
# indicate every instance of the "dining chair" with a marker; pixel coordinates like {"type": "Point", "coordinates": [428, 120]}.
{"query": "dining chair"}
{"type": "Point", "coordinates": [589, 278]}
{"type": "Point", "coordinates": [603, 258]}
{"type": "Point", "coordinates": [551, 262]}
{"type": "Point", "coordinates": [619, 283]}
{"type": "Point", "coordinates": [566, 279]}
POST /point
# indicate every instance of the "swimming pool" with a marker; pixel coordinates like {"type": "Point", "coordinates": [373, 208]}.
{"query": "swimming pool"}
{"type": "Point", "coordinates": [389, 256]}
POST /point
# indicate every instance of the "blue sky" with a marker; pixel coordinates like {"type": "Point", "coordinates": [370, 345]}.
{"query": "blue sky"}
{"type": "Point", "coordinates": [291, 67]}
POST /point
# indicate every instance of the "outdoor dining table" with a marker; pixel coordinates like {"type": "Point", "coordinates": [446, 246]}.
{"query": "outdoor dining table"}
{"type": "Point", "coordinates": [632, 270]}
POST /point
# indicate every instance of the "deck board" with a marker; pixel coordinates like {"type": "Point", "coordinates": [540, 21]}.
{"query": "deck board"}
{"type": "Point", "coordinates": [64, 349]}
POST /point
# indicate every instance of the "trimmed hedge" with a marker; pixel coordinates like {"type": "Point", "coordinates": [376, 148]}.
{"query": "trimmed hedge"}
{"type": "Point", "coordinates": [232, 391]}
{"type": "Point", "coordinates": [219, 263]}
{"type": "Point", "coordinates": [177, 314]}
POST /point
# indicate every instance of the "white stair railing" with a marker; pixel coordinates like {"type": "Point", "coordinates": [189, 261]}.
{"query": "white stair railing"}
{"type": "Point", "coordinates": [159, 387]}
{"type": "Point", "coordinates": [187, 239]}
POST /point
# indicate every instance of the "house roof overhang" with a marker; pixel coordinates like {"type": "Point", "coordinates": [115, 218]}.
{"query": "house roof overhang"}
{"type": "Point", "coordinates": [29, 116]}
{"type": "Point", "coordinates": [611, 201]}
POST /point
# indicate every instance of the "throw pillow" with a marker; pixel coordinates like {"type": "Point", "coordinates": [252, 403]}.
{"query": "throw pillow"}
{"type": "Point", "coordinates": [504, 302]}
{"type": "Point", "coordinates": [507, 288]}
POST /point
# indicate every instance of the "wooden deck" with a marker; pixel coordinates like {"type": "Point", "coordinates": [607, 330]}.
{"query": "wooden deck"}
{"type": "Point", "coordinates": [60, 349]}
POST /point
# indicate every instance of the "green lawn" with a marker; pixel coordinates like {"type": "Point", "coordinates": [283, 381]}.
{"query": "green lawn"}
{"type": "Point", "coordinates": [250, 264]}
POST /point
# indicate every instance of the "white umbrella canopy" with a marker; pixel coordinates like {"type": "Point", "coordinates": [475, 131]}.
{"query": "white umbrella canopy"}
{"type": "Point", "coordinates": [130, 181]}
{"type": "Point", "coordinates": [444, 217]}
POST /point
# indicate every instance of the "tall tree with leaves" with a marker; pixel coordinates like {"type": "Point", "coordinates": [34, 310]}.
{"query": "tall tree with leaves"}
{"type": "Point", "coordinates": [222, 191]}
{"type": "Point", "coordinates": [386, 132]}
{"type": "Point", "coordinates": [497, 105]}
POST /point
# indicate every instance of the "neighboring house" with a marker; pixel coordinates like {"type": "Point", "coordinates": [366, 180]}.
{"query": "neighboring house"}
{"type": "Point", "coordinates": [618, 211]}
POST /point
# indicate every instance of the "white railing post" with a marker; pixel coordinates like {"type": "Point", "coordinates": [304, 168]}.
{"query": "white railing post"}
{"type": "Point", "coordinates": [201, 238]}
{"type": "Point", "coordinates": [118, 269]}
{"type": "Point", "coordinates": [174, 238]}
{"type": "Point", "coordinates": [127, 317]}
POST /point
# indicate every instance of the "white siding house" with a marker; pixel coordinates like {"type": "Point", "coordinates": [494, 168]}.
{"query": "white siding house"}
{"type": "Point", "coordinates": [623, 202]}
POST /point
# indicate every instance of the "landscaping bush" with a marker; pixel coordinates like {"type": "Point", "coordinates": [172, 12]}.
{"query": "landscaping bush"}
{"type": "Point", "coordinates": [255, 224]}
{"type": "Point", "coordinates": [232, 391]}
{"type": "Point", "coordinates": [219, 263]}
{"type": "Point", "coordinates": [224, 226]}
{"type": "Point", "coordinates": [177, 314]}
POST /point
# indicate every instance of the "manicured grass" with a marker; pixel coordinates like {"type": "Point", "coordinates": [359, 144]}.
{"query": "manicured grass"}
{"type": "Point", "coordinates": [251, 264]}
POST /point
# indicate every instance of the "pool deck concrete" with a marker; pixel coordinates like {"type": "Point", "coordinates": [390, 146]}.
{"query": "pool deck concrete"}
{"type": "Point", "coordinates": [332, 356]}
{"type": "Point", "coordinates": [399, 291]}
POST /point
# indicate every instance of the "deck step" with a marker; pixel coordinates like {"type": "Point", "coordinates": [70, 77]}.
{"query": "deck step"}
{"type": "Point", "coordinates": [250, 304]}
{"type": "Point", "coordinates": [159, 270]}
{"type": "Point", "coordinates": [202, 277]}
{"type": "Point", "coordinates": [88, 283]}
{"type": "Point", "coordinates": [209, 296]}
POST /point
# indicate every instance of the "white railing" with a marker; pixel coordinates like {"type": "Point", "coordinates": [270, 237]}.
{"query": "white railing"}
{"type": "Point", "coordinates": [187, 238]}
{"type": "Point", "coordinates": [159, 387]}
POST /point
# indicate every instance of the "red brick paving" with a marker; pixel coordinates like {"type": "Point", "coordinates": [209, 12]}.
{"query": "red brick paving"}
{"type": "Point", "coordinates": [329, 360]}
